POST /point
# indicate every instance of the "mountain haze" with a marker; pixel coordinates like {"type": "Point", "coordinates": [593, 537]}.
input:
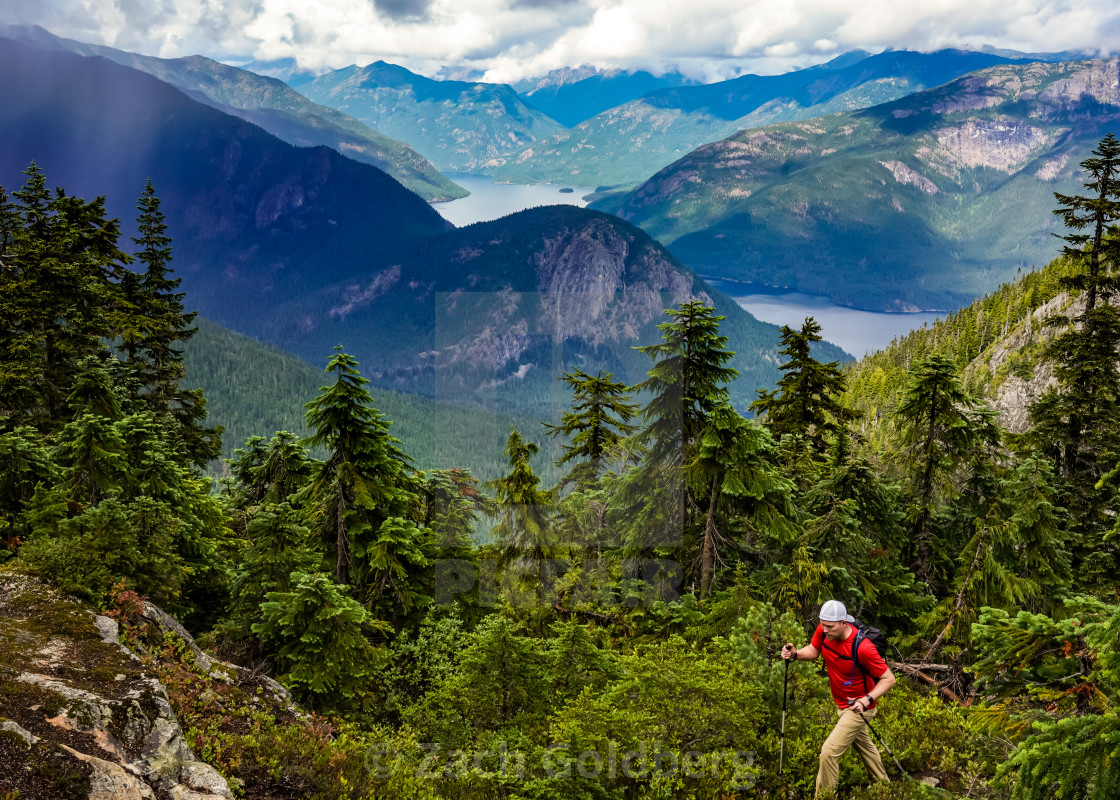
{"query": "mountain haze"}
{"type": "Point", "coordinates": [274, 106]}
{"type": "Point", "coordinates": [627, 144]}
{"type": "Point", "coordinates": [921, 203]}
{"type": "Point", "coordinates": [306, 249]}
{"type": "Point", "coordinates": [458, 125]}
{"type": "Point", "coordinates": [572, 95]}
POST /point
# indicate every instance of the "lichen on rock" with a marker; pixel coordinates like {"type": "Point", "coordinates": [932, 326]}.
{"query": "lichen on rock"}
{"type": "Point", "coordinates": [90, 722]}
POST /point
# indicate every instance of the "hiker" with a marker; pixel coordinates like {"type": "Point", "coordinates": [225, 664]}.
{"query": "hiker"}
{"type": "Point", "coordinates": [856, 688]}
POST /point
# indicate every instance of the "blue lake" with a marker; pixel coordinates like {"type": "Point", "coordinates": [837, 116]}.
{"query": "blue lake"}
{"type": "Point", "coordinates": [857, 332]}
{"type": "Point", "coordinates": [489, 200]}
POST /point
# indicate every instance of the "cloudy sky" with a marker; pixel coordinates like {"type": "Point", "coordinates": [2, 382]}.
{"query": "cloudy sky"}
{"type": "Point", "coordinates": [518, 38]}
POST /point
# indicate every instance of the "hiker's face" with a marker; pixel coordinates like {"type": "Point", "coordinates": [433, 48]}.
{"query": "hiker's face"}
{"type": "Point", "coordinates": [833, 630]}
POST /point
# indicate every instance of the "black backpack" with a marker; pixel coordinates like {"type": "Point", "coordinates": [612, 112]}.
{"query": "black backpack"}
{"type": "Point", "coordinates": [873, 635]}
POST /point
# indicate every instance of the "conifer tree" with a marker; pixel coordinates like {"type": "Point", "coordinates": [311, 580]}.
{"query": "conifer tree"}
{"type": "Point", "coordinates": [453, 506]}
{"type": "Point", "coordinates": [1077, 422]}
{"type": "Point", "coordinates": [735, 470]}
{"type": "Point", "coordinates": [941, 430]}
{"type": "Point", "coordinates": [806, 404]}
{"type": "Point", "coordinates": [364, 494]}
{"type": "Point", "coordinates": [277, 546]}
{"type": "Point", "coordinates": [523, 525]}
{"type": "Point", "coordinates": [318, 637]}
{"type": "Point", "coordinates": [58, 279]}
{"type": "Point", "coordinates": [160, 326]}
{"type": "Point", "coordinates": [687, 380]}
{"type": "Point", "coordinates": [598, 421]}
{"type": "Point", "coordinates": [270, 471]}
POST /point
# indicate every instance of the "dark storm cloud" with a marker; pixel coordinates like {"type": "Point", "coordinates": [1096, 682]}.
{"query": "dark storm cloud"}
{"type": "Point", "coordinates": [403, 10]}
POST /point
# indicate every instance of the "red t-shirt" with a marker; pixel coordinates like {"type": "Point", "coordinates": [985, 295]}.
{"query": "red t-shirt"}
{"type": "Point", "coordinates": [846, 680]}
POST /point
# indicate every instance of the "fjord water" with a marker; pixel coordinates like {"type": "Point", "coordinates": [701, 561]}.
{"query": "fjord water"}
{"type": "Point", "coordinates": [489, 200]}
{"type": "Point", "coordinates": [857, 332]}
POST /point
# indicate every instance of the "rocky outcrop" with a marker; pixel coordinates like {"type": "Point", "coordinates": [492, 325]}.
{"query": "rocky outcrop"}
{"type": "Point", "coordinates": [79, 714]}
{"type": "Point", "coordinates": [1013, 393]}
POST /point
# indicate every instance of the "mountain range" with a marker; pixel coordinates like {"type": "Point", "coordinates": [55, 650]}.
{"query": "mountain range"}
{"type": "Point", "coordinates": [306, 249]}
{"type": "Point", "coordinates": [570, 95]}
{"type": "Point", "coordinates": [921, 203]}
{"type": "Point", "coordinates": [628, 143]}
{"type": "Point", "coordinates": [460, 126]}
{"type": "Point", "coordinates": [272, 105]}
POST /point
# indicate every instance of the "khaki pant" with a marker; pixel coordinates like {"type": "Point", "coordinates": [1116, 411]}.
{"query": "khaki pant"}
{"type": "Point", "coordinates": [850, 730]}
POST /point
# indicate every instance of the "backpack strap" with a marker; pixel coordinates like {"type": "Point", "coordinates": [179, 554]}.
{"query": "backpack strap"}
{"type": "Point", "coordinates": [859, 637]}
{"type": "Point", "coordinates": [855, 655]}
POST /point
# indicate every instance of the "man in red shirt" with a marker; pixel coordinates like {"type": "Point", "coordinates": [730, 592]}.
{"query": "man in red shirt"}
{"type": "Point", "coordinates": [855, 690]}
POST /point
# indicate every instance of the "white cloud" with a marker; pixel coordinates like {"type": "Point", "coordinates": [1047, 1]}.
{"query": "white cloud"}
{"type": "Point", "coordinates": [515, 38]}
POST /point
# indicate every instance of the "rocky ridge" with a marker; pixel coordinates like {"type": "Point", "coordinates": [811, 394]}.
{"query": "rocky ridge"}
{"type": "Point", "coordinates": [83, 716]}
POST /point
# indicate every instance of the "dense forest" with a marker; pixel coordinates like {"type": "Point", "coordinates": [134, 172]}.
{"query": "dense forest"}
{"type": "Point", "coordinates": [618, 634]}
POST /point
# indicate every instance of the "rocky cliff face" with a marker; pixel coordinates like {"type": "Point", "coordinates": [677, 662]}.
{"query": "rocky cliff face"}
{"type": "Point", "coordinates": [1012, 395]}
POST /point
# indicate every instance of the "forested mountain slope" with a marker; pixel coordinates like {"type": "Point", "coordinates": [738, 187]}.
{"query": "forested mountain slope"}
{"type": "Point", "coordinates": [458, 125]}
{"type": "Point", "coordinates": [921, 203]}
{"type": "Point", "coordinates": [306, 249]}
{"type": "Point", "coordinates": [279, 109]}
{"type": "Point", "coordinates": [255, 389]}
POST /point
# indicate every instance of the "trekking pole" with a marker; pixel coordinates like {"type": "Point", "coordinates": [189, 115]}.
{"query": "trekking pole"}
{"type": "Point", "coordinates": [879, 739]}
{"type": "Point", "coordinates": [782, 740]}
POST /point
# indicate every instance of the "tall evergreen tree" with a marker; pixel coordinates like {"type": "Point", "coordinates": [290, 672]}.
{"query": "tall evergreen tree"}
{"type": "Point", "coordinates": [365, 493]}
{"type": "Point", "coordinates": [1098, 212]}
{"type": "Point", "coordinates": [60, 267]}
{"type": "Point", "coordinates": [1077, 422]}
{"type": "Point", "coordinates": [523, 525]}
{"type": "Point", "coordinates": [597, 422]}
{"type": "Point", "coordinates": [941, 429]}
{"type": "Point", "coordinates": [153, 342]}
{"type": "Point", "coordinates": [687, 382]}
{"type": "Point", "coordinates": [806, 403]}
{"type": "Point", "coordinates": [735, 466]}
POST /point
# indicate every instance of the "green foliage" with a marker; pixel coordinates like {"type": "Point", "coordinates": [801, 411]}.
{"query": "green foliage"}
{"type": "Point", "coordinates": [806, 404]}
{"type": "Point", "coordinates": [364, 495]}
{"type": "Point", "coordinates": [87, 554]}
{"type": "Point", "coordinates": [318, 637]}
{"type": "Point", "coordinates": [596, 424]}
{"type": "Point", "coordinates": [735, 465]}
{"type": "Point", "coordinates": [277, 546]}
{"type": "Point", "coordinates": [673, 703]}
{"type": "Point", "coordinates": [942, 431]}
{"type": "Point", "coordinates": [499, 681]}
{"type": "Point", "coordinates": [686, 381]}
{"type": "Point", "coordinates": [523, 524]}
{"type": "Point", "coordinates": [1061, 678]}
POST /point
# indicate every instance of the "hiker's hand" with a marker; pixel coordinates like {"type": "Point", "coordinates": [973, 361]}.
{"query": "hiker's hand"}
{"type": "Point", "coordinates": [859, 706]}
{"type": "Point", "coordinates": [787, 651]}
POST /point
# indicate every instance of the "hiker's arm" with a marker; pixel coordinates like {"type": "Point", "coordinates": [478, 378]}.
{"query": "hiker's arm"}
{"type": "Point", "coordinates": [806, 653]}
{"type": "Point", "coordinates": [886, 681]}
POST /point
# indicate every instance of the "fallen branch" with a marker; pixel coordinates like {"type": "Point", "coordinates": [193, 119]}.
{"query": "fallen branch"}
{"type": "Point", "coordinates": [913, 672]}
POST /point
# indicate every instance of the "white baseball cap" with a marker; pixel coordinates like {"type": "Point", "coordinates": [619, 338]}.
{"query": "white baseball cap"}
{"type": "Point", "coordinates": [834, 611]}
